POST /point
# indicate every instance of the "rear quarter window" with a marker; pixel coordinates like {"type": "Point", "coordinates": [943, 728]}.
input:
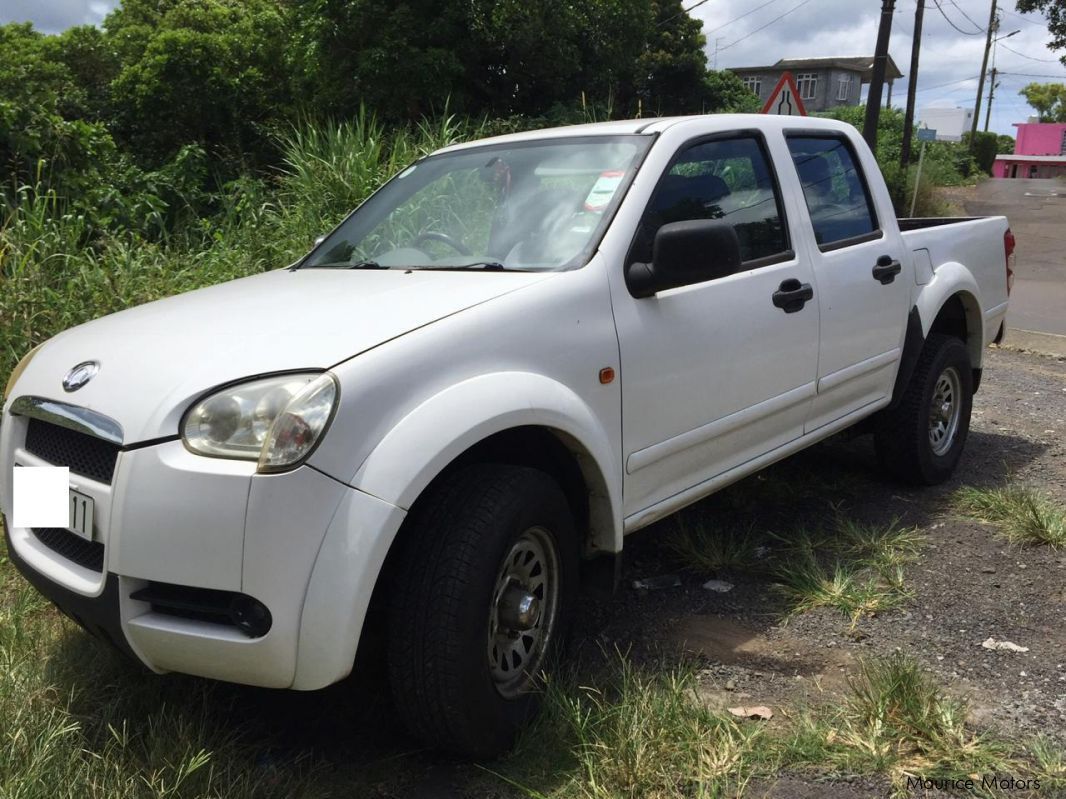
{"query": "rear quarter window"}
{"type": "Point", "coordinates": [836, 191]}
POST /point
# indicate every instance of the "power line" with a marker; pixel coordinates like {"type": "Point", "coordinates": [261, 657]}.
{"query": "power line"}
{"type": "Point", "coordinates": [1023, 55]}
{"type": "Point", "coordinates": [968, 18]}
{"type": "Point", "coordinates": [952, 24]}
{"type": "Point", "coordinates": [1031, 75]}
{"type": "Point", "coordinates": [1024, 19]}
{"type": "Point", "coordinates": [735, 19]}
{"type": "Point", "coordinates": [683, 11]}
{"type": "Point", "coordinates": [767, 25]}
{"type": "Point", "coordinates": [942, 85]}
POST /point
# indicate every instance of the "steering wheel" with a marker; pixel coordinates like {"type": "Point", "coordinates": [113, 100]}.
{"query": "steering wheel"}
{"type": "Point", "coordinates": [444, 238]}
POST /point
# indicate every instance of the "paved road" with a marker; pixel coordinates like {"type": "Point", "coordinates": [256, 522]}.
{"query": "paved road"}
{"type": "Point", "coordinates": [1037, 213]}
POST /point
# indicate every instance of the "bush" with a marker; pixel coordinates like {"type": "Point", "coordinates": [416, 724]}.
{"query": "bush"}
{"type": "Point", "coordinates": [985, 149]}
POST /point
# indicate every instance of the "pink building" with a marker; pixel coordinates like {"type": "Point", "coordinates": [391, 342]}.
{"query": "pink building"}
{"type": "Point", "coordinates": [1039, 152]}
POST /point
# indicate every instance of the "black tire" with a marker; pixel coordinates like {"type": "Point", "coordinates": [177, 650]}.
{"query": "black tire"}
{"type": "Point", "coordinates": [903, 435]}
{"type": "Point", "coordinates": [443, 595]}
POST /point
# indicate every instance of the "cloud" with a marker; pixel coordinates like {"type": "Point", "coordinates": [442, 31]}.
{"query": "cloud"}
{"type": "Point", "coordinates": [53, 16]}
{"type": "Point", "coordinates": [950, 60]}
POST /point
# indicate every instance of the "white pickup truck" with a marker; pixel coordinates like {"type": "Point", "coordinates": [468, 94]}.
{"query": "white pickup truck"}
{"type": "Point", "coordinates": [454, 408]}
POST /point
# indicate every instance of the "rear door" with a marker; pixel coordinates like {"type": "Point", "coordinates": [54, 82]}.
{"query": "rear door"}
{"type": "Point", "coordinates": [715, 374]}
{"type": "Point", "coordinates": [863, 290]}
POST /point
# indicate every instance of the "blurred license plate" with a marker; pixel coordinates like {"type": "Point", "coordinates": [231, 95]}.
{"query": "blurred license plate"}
{"type": "Point", "coordinates": [81, 515]}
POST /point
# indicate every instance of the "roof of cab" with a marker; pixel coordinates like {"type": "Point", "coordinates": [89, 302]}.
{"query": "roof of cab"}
{"type": "Point", "coordinates": [651, 126]}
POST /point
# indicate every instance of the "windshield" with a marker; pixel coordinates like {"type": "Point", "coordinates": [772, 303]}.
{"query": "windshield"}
{"type": "Point", "coordinates": [531, 206]}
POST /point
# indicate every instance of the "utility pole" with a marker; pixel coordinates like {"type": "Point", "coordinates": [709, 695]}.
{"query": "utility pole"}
{"type": "Point", "coordinates": [912, 87]}
{"type": "Point", "coordinates": [877, 79]}
{"type": "Point", "coordinates": [981, 80]}
{"type": "Point", "coordinates": [991, 94]}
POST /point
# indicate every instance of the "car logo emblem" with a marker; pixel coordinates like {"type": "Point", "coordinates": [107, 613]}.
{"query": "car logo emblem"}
{"type": "Point", "coordinates": [80, 375]}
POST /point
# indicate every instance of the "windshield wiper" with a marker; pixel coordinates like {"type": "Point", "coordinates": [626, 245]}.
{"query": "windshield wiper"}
{"type": "Point", "coordinates": [346, 265]}
{"type": "Point", "coordinates": [488, 266]}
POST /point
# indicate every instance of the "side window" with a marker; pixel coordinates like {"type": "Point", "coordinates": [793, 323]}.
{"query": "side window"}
{"type": "Point", "coordinates": [834, 187]}
{"type": "Point", "coordinates": [723, 179]}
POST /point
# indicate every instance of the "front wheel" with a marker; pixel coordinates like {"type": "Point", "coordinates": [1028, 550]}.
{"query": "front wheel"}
{"type": "Point", "coordinates": [920, 441]}
{"type": "Point", "coordinates": [480, 605]}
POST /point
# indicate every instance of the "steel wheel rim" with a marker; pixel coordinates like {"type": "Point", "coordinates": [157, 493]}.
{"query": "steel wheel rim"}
{"type": "Point", "coordinates": [945, 410]}
{"type": "Point", "coordinates": [521, 632]}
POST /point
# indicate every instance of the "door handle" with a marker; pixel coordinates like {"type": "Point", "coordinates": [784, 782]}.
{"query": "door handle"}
{"type": "Point", "coordinates": [792, 295]}
{"type": "Point", "coordinates": [886, 270]}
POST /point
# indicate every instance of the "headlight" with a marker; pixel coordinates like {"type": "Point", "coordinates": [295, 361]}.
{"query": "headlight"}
{"type": "Point", "coordinates": [15, 375]}
{"type": "Point", "coordinates": [276, 421]}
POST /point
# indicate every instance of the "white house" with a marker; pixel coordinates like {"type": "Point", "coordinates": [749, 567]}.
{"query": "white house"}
{"type": "Point", "coordinates": [949, 121]}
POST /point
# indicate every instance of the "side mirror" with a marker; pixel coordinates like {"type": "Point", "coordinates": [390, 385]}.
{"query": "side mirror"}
{"type": "Point", "coordinates": [685, 253]}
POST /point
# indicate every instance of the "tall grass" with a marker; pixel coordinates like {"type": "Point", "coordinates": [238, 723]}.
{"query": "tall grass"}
{"type": "Point", "coordinates": [59, 268]}
{"type": "Point", "coordinates": [76, 723]}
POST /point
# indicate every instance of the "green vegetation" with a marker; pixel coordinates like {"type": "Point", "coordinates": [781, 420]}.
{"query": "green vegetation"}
{"type": "Point", "coordinates": [648, 732]}
{"type": "Point", "coordinates": [896, 721]}
{"type": "Point", "coordinates": [1024, 516]}
{"type": "Point", "coordinates": [1049, 100]}
{"type": "Point", "coordinates": [76, 724]}
{"type": "Point", "coordinates": [855, 568]}
{"type": "Point", "coordinates": [640, 732]}
{"type": "Point", "coordinates": [59, 267]}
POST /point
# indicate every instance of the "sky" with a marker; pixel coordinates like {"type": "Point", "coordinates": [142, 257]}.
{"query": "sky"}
{"type": "Point", "coordinates": [758, 32]}
{"type": "Point", "coordinates": [950, 60]}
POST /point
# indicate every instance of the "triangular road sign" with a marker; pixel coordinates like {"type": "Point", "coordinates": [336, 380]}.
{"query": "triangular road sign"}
{"type": "Point", "coordinates": [785, 99]}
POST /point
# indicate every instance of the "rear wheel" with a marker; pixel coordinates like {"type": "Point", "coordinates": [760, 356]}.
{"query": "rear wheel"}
{"type": "Point", "coordinates": [921, 440]}
{"type": "Point", "coordinates": [480, 605]}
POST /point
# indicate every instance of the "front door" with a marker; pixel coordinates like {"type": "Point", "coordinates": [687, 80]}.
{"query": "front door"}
{"type": "Point", "coordinates": [715, 374]}
{"type": "Point", "coordinates": [863, 289]}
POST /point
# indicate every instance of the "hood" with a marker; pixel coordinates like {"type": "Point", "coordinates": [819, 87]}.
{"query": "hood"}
{"type": "Point", "coordinates": [156, 358]}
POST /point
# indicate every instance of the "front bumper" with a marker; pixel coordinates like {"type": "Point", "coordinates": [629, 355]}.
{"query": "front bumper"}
{"type": "Point", "coordinates": [303, 544]}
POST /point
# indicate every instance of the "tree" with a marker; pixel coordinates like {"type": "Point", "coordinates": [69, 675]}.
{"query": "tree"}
{"type": "Point", "coordinates": [1049, 100]}
{"type": "Point", "coordinates": [45, 133]}
{"type": "Point", "coordinates": [497, 57]}
{"type": "Point", "coordinates": [1055, 11]}
{"type": "Point", "coordinates": [724, 92]}
{"type": "Point", "coordinates": [207, 73]}
{"type": "Point", "coordinates": [673, 65]}
{"type": "Point", "coordinates": [399, 59]}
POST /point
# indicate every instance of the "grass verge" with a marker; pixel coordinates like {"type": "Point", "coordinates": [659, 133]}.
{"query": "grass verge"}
{"type": "Point", "coordinates": [76, 723]}
{"type": "Point", "coordinates": [1024, 515]}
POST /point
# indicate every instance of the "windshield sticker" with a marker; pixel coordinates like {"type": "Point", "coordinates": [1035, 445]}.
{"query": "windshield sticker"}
{"type": "Point", "coordinates": [603, 190]}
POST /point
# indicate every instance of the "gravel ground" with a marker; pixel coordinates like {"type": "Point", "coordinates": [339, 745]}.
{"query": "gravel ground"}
{"type": "Point", "coordinates": [969, 584]}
